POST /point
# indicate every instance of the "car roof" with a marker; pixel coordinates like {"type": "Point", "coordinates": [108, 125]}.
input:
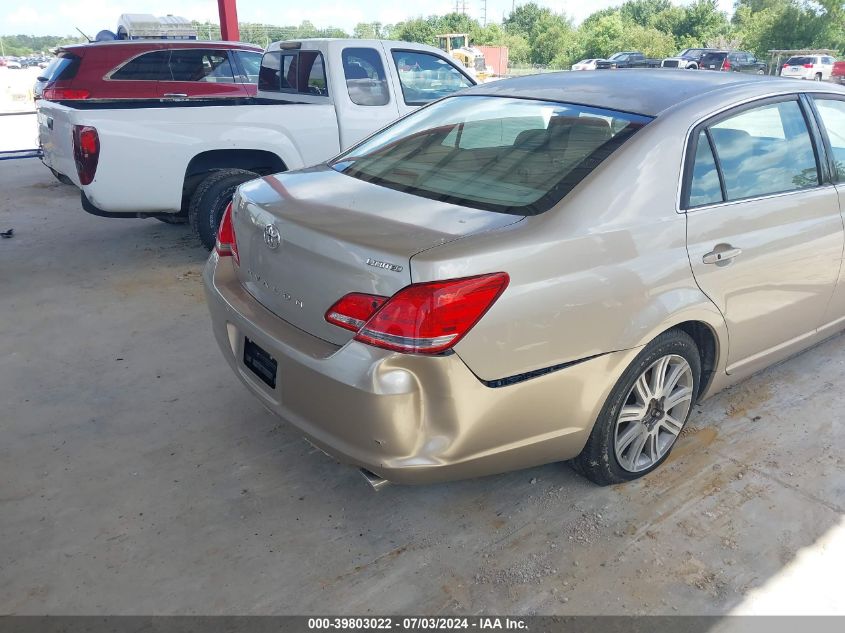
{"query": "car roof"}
{"type": "Point", "coordinates": [640, 91]}
{"type": "Point", "coordinates": [154, 44]}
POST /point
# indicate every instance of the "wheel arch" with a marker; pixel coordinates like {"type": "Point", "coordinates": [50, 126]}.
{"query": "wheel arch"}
{"type": "Point", "coordinates": [260, 161]}
{"type": "Point", "coordinates": [692, 312]}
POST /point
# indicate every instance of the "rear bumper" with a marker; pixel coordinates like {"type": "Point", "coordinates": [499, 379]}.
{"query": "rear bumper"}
{"type": "Point", "coordinates": [407, 418]}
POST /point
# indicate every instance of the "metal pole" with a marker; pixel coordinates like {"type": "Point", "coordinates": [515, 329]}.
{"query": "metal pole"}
{"type": "Point", "coordinates": [228, 20]}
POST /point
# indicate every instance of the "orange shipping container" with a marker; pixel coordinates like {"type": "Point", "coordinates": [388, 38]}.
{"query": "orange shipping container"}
{"type": "Point", "coordinates": [496, 57]}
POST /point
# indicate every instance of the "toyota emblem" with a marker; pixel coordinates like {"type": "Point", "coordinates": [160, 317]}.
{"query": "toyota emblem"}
{"type": "Point", "coordinates": [272, 237]}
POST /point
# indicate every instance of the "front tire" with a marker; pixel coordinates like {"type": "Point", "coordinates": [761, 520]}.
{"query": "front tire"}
{"type": "Point", "coordinates": [210, 199]}
{"type": "Point", "coordinates": [644, 413]}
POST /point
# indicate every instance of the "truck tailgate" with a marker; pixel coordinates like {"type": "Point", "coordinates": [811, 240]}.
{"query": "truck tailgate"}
{"type": "Point", "coordinates": [55, 136]}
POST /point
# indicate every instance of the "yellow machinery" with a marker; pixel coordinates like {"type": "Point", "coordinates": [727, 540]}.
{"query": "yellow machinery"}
{"type": "Point", "coordinates": [457, 45]}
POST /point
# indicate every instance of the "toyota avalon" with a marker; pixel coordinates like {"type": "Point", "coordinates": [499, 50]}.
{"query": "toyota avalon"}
{"type": "Point", "coordinates": [548, 268]}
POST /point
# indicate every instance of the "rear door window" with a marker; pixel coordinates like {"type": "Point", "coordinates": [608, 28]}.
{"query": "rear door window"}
{"type": "Point", "coordinates": [250, 65]}
{"type": "Point", "coordinates": [366, 82]}
{"type": "Point", "coordinates": [832, 113]}
{"type": "Point", "coordinates": [705, 187]}
{"type": "Point", "coordinates": [425, 77]}
{"type": "Point", "coordinates": [152, 66]}
{"type": "Point", "coordinates": [765, 150]}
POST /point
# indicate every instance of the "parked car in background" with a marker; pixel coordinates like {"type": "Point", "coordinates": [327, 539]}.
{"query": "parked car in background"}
{"type": "Point", "coordinates": [733, 61]}
{"type": "Point", "coordinates": [406, 303]}
{"type": "Point", "coordinates": [152, 69]}
{"type": "Point", "coordinates": [837, 75]}
{"type": "Point", "coordinates": [12, 63]}
{"type": "Point", "coordinates": [689, 58]}
{"type": "Point", "coordinates": [585, 64]}
{"type": "Point", "coordinates": [179, 159]}
{"type": "Point", "coordinates": [815, 67]}
{"type": "Point", "coordinates": [627, 59]}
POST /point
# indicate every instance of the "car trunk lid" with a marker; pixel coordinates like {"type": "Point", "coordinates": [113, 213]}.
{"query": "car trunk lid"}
{"type": "Point", "coordinates": [332, 235]}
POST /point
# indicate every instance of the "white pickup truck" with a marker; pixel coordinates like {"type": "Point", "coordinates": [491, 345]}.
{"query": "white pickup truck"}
{"type": "Point", "coordinates": [181, 159]}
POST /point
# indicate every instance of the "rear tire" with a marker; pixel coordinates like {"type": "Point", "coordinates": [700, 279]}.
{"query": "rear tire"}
{"type": "Point", "coordinates": [210, 199]}
{"type": "Point", "coordinates": [818, 77]}
{"type": "Point", "coordinates": [610, 457]}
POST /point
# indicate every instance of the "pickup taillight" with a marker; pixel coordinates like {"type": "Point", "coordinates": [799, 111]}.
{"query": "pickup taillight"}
{"type": "Point", "coordinates": [86, 152]}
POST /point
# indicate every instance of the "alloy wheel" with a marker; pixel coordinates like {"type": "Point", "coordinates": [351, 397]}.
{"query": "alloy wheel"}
{"type": "Point", "coordinates": [653, 414]}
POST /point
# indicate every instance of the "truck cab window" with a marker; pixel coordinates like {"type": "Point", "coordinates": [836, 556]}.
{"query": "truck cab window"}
{"type": "Point", "coordinates": [300, 71]}
{"type": "Point", "coordinates": [425, 77]}
{"type": "Point", "coordinates": [366, 81]}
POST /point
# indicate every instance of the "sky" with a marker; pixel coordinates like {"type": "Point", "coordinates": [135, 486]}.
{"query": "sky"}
{"type": "Point", "coordinates": [59, 17]}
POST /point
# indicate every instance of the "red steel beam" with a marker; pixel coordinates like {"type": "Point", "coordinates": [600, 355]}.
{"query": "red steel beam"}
{"type": "Point", "coordinates": [228, 20]}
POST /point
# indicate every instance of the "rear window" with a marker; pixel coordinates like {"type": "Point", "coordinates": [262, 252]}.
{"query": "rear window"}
{"type": "Point", "coordinates": [62, 68]}
{"type": "Point", "coordinates": [799, 61]}
{"type": "Point", "coordinates": [293, 71]}
{"type": "Point", "coordinates": [509, 155]}
{"type": "Point", "coordinates": [713, 58]}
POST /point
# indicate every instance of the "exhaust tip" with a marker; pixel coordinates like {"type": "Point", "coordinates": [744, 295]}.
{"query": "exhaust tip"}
{"type": "Point", "coordinates": [376, 482]}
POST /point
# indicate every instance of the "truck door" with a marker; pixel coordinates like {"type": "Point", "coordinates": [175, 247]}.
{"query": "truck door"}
{"type": "Point", "coordinates": [420, 77]}
{"type": "Point", "coordinates": [365, 103]}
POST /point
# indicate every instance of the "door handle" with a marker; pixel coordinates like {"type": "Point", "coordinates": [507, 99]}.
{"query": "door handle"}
{"type": "Point", "coordinates": [721, 254]}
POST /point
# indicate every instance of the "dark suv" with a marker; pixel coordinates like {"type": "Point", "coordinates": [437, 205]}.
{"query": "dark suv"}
{"type": "Point", "coordinates": [151, 69]}
{"type": "Point", "coordinates": [733, 61]}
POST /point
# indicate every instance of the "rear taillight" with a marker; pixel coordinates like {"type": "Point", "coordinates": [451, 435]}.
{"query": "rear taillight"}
{"type": "Point", "coordinates": [354, 310]}
{"type": "Point", "coordinates": [425, 318]}
{"type": "Point", "coordinates": [86, 152]}
{"type": "Point", "coordinates": [227, 243]}
{"type": "Point", "coordinates": [64, 94]}
{"type": "Point", "coordinates": [808, 65]}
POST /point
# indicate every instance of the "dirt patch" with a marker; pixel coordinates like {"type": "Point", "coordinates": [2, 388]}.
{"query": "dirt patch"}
{"type": "Point", "coordinates": [692, 439]}
{"type": "Point", "coordinates": [527, 571]}
{"type": "Point", "coordinates": [748, 397]}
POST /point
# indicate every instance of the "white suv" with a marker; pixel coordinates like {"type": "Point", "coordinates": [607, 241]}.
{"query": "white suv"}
{"type": "Point", "coordinates": [816, 67]}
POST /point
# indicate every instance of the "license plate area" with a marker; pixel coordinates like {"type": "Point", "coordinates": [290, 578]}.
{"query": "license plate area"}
{"type": "Point", "coordinates": [260, 363]}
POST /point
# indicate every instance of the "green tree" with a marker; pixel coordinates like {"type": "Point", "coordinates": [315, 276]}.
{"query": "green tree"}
{"type": "Point", "coordinates": [524, 19]}
{"type": "Point", "coordinates": [368, 30]}
{"type": "Point", "coordinates": [644, 12]}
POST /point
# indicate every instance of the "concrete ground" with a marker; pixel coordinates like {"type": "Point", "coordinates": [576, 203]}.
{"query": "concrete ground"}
{"type": "Point", "coordinates": [137, 476]}
{"type": "Point", "coordinates": [18, 126]}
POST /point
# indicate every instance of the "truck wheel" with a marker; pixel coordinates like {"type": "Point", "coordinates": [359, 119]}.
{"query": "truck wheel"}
{"type": "Point", "coordinates": [210, 199]}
